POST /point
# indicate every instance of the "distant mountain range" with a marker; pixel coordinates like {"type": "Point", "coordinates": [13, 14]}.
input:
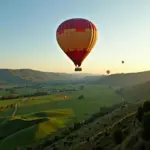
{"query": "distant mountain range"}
{"type": "Point", "coordinates": [28, 76]}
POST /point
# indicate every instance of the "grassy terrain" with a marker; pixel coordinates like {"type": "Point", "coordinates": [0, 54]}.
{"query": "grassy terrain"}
{"type": "Point", "coordinates": [9, 102]}
{"type": "Point", "coordinates": [38, 117]}
{"type": "Point", "coordinates": [4, 93]}
{"type": "Point", "coordinates": [95, 135]}
{"type": "Point", "coordinates": [25, 91]}
{"type": "Point", "coordinates": [31, 134]}
{"type": "Point", "coordinates": [32, 128]}
{"type": "Point", "coordinates": [99, 134]}
{"type": "Point", "coordinates": [4, 111]}
{"type": "Point", "coordinates": [52, 113]}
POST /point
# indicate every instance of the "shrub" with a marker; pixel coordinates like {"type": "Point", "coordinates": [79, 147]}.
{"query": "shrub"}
{"type": "Point", "coordinates": [56, 138]}
{"type": "Point", "coordinates": [131, 140]}
{"type": "Point", "coordinates": [139, 114]}
{"type": "Point", "coordinates": [87, 139]}
{"type": "Point", "coordinates": [106, 133]}
{"type": "Point", "coordinates": [65, 143]}
{"type": "Point", "coordinates": [55, 148]}
{"type": "Point", "coordinates": [27, 148]}
{"type": "Point", "coordinates": [139, 146]}
{"type": "Point", "coordinates": [17, 148]}
{"type": "Point", "coordinates": [118, 136]}
{"type": "Point", "coordinates": [126, 132]}
{"type": "Point", "coordinates": [105, 125]}
{"type": "Point", "coordinates": [98, 148]}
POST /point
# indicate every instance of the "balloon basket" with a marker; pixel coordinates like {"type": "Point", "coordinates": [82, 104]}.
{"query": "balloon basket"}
{"type": "Point", "coordinates": [78, 69]}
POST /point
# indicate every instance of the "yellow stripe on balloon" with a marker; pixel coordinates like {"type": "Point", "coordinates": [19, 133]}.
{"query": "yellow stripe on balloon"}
{"type": "Point", "coordinates": [71, 39]}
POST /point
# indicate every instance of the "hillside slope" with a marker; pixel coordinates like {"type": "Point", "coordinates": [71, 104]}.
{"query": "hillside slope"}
{"type": "Point", "coordinates": [98, 134]}
{"type": "Point", "coordinates": [122, 80]}
{"type": "Point", "coordinates": [93, 135]}
{"type": "Point", "coordinates": [137, 92]}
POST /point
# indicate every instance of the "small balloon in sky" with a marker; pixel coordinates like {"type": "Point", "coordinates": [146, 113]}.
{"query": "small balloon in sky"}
{"type": "Point", "coordinates": [108, 71]}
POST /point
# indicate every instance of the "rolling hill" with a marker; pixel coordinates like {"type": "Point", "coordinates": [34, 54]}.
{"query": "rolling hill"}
{"type": "Point", "coordinates": [28, 76]}
{"type": "Point", "coordinates": [32, 128]}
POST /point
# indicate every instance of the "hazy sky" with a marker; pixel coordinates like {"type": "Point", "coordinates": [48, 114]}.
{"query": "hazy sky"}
{"type": "Point", "coordinates": [28, 34]}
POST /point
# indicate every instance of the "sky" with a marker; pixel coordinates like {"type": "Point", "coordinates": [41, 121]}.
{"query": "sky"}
{"type": "Point", "coordinates": [28, 34]}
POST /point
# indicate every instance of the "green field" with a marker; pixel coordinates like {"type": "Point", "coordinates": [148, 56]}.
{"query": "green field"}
{"type": "Point", "coordinates": [38, 117]}
{"type": "Point", "coordinates": [8, 102]}
{"type": "Point", "coordinates": [24, 91]}
{"type": "Point", "coordinates": [36, 127]}
{"type": "Point", "coordinates": [95, 96]}
{"type": "Point", "coordinates": [4, 93]}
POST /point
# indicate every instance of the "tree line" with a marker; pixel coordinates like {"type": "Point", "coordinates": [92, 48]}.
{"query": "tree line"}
{"type": "Point", "coordinates": [23, 96]}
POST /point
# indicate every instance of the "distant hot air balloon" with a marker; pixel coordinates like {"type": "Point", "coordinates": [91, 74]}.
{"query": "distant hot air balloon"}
{"type": "Point", "coordinates": [108, 71]}
{"type": "Point", "coordinates": [122, 62]}
{"type": "Point", "coordinates": [65, 97]}
{"type": "Point", "coordinates": [76, 37]}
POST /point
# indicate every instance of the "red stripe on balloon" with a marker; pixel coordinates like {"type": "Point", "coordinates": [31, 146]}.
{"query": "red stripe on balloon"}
{"type": "Point", "coordinates": [79, 24]}
{"type": "Point", "coordinates": [77, 56]}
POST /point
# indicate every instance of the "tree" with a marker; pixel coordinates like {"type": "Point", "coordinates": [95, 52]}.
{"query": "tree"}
{"type": "Point", "coordinates": [82, 87]}
{"type": "Point", "coordinates": [139, 114]}
{"type": "Point", "coordinates": [146, 106]}
{"type": "Point", "coordinates": [146, 126]}
{"type": "Point", "coordinates": [81, 97]}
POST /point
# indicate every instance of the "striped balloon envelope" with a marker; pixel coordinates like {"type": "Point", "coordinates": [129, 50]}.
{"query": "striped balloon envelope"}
{"type": "Point", "coordinates": [76, 37]}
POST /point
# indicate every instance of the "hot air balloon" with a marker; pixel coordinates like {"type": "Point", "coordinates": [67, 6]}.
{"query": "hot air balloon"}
{"type": "Point", "coordinates": [122, 62]}
{"type": "Point", "coordinates": [76, 37]}
{"type": "Point", "coordinates": [108, 71]}
{"type": "Point", "coordinates": [64, 97]}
